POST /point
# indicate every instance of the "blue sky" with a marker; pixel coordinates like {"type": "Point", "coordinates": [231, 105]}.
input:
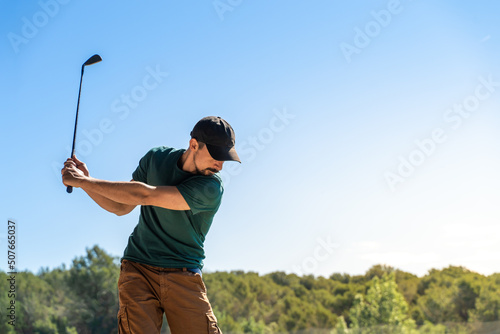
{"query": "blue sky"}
{"type": "Point", "coordinates": [368, 130]}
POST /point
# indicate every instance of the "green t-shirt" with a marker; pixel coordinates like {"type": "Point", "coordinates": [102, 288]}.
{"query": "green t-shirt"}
{"type": "Point", "coordinates": [169, 238]}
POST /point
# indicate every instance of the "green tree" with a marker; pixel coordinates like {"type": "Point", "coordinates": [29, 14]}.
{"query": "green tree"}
{"type": "Point", "coordinates": [37, 307]}
{"type": "Point", "coordinates": [465, 298]}
{"type": "Point", "coordinates": [383, 305]}
{"type": "Point", "coordinates": [378, 271]}
{"type": "Point", "coordinates": [430, 328]}
{"type": "Point", "coordinates": [449, 295]}
{"type": "Point", "coordinates": [92, 284]}
{"type": "Point", "coordinates": [341, 327]}
{"type": "Point", "coordinates": [4, 303]}
{"type": "Point", "coordinates": [487, 306]}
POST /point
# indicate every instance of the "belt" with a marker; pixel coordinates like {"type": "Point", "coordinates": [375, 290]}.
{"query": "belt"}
{"type": "Point", "coordinates": [193, 270]}
{"type": "Point", "coordinates": [172, 269]}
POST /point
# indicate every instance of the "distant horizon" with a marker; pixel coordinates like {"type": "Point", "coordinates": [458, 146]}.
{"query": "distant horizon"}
{"type": "Point", "coordinates": [67, 266]}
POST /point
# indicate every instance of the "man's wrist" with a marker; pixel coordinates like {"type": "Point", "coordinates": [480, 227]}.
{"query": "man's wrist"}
{"type": "Point", "coordinates": [85, 182]}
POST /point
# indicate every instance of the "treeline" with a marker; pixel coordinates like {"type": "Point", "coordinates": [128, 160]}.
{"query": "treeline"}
{"type": "Point", "coordinates": [83, 299]}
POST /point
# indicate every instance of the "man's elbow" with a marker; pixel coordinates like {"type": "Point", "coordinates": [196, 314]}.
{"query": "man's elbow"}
{"type": "Point", "coordinates": [120, 213]}
{"type": "Point", "coordinates": [124, 210]}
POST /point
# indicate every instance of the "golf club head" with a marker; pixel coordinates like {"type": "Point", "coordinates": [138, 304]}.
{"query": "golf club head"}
{"type": "Point", "coordinates": [92, 60]}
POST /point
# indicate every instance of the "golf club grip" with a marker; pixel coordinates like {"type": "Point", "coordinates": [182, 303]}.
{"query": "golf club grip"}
{"type": "Point", "coordinates": [69, 189]}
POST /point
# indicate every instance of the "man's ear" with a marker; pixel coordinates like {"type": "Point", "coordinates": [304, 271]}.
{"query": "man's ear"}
{"type": "Point", "coordinates": [193, 145]}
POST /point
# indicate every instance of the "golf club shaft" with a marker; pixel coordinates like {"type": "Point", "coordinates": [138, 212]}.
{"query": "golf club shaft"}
{"type": "Point", "coordinates": [69, 189]}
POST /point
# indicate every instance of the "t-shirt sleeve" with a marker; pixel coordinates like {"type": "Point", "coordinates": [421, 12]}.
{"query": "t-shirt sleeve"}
{"type": "Point", "coordinates": [141, 172]}
{"type": "Point", "coordinates": [202, 194]}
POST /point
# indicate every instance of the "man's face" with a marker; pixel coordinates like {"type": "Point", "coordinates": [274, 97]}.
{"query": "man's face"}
{"type": "Point", "coordinates": [205, 164]}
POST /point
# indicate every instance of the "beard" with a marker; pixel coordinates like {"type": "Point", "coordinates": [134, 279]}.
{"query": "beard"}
{"type": "Point", "coordinates": [205, 171]}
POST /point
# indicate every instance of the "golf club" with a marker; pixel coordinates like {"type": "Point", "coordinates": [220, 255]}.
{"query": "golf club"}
{"type": "Point", "coordinates": [92, 60]}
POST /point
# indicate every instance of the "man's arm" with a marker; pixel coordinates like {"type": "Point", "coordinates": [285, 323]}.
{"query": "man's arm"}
{"type": "Point", "coordinates": [118, 209]}
{"type": "Point", "coordinates": [137, 193]}
{"type": "Point", "coordinates": [128, 193]}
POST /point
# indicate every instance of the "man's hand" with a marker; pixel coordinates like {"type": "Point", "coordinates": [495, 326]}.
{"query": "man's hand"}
{"type": "Point", "coordinates": [72, 173]}
{"type": "Point", "coordinates": [75, 172]}
{"type": "Point", "coordinates": [81, 166]}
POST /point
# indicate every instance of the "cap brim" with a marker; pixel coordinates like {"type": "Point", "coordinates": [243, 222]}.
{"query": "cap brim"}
{"type": "Point", "coordinates": [223, 153]}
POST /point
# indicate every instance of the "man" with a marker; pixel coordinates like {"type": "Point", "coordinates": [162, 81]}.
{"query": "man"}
{"type": "Point", "coordinates": [179, 192]}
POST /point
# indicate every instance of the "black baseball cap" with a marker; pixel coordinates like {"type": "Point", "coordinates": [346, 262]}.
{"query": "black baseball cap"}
{"type": "Point", "coordinates": [219, 137]}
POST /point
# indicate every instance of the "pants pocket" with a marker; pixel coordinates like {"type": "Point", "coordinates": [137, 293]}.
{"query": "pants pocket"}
{"type": "Point", "coordinates": [212, 325]}
{"type": "Point", "coordinates": [123, 326]}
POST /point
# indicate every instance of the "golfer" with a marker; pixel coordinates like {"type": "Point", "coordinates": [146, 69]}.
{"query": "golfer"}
{"type": "Point", "coordinates": [179, 191]}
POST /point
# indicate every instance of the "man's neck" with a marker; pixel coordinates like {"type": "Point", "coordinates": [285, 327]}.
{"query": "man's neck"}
{"type": "Point", "coordinates": [186, 163]}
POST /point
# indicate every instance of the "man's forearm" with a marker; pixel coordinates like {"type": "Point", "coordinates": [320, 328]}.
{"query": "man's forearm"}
{"type": "Point", "coordinates": [129, 193]}
{"type": "Point", "coordinates": [110, 205]}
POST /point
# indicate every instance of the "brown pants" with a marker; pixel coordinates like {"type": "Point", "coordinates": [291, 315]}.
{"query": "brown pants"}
{"type": "Point", "coordinates": [145, 292]}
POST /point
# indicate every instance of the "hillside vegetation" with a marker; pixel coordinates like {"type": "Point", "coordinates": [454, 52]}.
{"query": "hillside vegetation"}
{"type": "Point", "coordinates": [83, 299]}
